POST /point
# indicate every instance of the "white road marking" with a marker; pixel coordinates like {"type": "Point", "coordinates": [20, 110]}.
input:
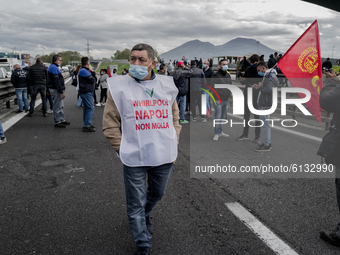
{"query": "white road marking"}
{"type": "Point", "coordinates": [264, 233]}
{"type": "Point", "coordinates": [315, 138]}
{"type": "Point", "coordinates": [10, 122]}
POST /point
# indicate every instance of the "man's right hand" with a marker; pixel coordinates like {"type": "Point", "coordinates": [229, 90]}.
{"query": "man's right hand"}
{"type": "Point", "coordinates": [62, 96]}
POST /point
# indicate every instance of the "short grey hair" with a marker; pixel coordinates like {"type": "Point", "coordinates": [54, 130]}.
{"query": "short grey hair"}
{"type": "Point", "coordinates": [147, 47]}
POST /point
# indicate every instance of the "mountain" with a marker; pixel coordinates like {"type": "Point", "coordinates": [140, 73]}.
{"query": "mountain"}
{"type": "Point", "coordinates": [204, 50]}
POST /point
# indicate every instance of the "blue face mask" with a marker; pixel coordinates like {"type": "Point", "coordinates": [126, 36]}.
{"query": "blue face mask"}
{"type": "Point", "coordinates": [139, 72]}
{"type": "Point", "coordinates": [260, 73]}
{"type": "Point", "coordinates": [101, 73]}
{"type": "Point", "coordinates": [204, 66]}
{"type": "Point", "coordinates": [225, 68]}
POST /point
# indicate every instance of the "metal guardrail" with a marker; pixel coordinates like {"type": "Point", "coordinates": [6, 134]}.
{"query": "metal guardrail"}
{"type": "Point", "coordinates": [7, 90]}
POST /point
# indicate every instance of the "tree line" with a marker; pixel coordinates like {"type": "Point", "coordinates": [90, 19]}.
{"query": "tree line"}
{"type": "Point", "coordinates": [76, 56]}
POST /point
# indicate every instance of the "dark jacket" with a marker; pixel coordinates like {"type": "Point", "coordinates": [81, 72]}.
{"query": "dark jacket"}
{"type": "Point", "coordinates": [271, 61]}
{"type": "Point", "coordinates": [19, 78]}
{"type": "Point", "coordinates": [209, 73]}
{"type": "Point", "coordinates": [251, 77]}
{"type": "Point", "coordinates": [181, 77]}
{"type": "Point", "coordinates": [266, 90]}
{"type": "Point", "coordinates": [329, 99]}
{"type": "Point", "coordinates": [54, 79]}
{"type": "Point", "coordinates": [87, 80]}
{"type": "Point", "coordinates": [222, 77]}
{"type": "Point", "coordinates": [327, 64]}
{"type": "Point", "coordinates": [197, 78]}
{"type": "Point", "coordinates": [37, 75]}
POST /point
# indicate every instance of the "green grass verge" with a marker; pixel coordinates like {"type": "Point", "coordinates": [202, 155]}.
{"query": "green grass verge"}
{"type": "Point", "coordinates": [336, 68]}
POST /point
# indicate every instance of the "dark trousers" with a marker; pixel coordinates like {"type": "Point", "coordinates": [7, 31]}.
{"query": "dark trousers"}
{"type": "Point", "coordinates": [95, 97]}
{"type": "Point", "coordinates": [42, 90]}
{"type": "Point", "coordinates": [247, 114]}
{"type": "Point", "coordinates": [195, 99]}
{"type": "Point", "coordinates": [103, 94]}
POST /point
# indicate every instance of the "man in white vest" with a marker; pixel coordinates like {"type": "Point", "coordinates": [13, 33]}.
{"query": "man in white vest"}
{"type": "Point", "coordinates": [141, 122]}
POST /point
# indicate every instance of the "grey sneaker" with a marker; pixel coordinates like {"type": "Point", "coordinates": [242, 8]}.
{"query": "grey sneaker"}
{"type": "Point", "coordinates": [3, 140]}
{"type": "Point", "coordinates": [204, 120]}
{"type": "Point", "coordinates": [223, 135]}
{"type": "Point", "coordinates": [215, 138]}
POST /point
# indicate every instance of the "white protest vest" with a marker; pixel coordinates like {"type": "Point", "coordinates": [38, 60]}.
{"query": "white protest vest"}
{"type": "Point", "coordinates": [148, 134]}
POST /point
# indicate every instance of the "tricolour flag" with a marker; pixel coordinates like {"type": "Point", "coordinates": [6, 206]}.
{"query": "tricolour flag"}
{"type": "Point", "coordinates": [301, 64]}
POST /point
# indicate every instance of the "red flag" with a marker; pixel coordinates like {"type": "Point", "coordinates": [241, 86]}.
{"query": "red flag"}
{"type": "Point", "coordinates": [303, 61]}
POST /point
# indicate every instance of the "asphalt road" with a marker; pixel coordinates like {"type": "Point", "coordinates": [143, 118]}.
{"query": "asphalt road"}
{"type": "Point", "coordinates": [62, 192]}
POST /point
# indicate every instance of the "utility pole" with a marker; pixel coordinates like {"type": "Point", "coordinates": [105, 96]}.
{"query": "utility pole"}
{"type": "Point", "coordinates": [88, 48]}
{"type": "Point", "coordinates": [332, 51]}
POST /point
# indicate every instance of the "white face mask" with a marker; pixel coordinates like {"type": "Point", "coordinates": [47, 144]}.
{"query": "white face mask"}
{"type": "Point", "coordinates": [139, 72]}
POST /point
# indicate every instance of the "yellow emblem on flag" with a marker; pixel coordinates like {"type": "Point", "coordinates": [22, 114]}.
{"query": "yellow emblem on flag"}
{"type": "Point", "coordinates": [308, 60]}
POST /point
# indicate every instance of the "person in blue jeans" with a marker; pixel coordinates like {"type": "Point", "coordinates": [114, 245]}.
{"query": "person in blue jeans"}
{"type": "Point", "coordinates": [147, 154]}
{"type": "Point", "coordinates": [87, 82]}
{"type": "Point", "coordinates": [56, 86]}
{"type": "Point", "coordinates": [2, 135]}
{"type": "Point", "coordinates": [19, 81]}
{"type": "Point", "coordinates": [265, 101]}
{"type": "Point", "coordinates": [222, 76]}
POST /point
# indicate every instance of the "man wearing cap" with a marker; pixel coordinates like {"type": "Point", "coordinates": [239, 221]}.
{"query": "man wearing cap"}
{"type": "Point", "coordinates": [141, 123]}
{"type": "Point", "coordinates": [181, 76]}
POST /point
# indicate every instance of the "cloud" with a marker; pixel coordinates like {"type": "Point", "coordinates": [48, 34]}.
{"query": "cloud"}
{"type": "Point", "coordinates": [41, 27]}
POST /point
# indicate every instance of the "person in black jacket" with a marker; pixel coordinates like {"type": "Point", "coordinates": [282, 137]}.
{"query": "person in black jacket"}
{"type": "Point", "coordinates": [208, 72]}
{"type": "Point", "coordinates": [87, 83]}
{"type": "Point", "coordinates": [251, 77]}
{"type": "Point", "coordinates": [271, 61]}
{"type": "Point", "coordinates": [181, 75]}
{"type": "Point", "coordinates": [327, 64]}
{"type": "Point", "coordinates": [195, 93]}
{"type": "Point", "coordinates": [19, 81]}
{"type": "Point", "coordinates": [329, 101]}
{"type": "Point", "coordinates": [221, 77]}
{"type": "Point", "coordinates": [37, 78]}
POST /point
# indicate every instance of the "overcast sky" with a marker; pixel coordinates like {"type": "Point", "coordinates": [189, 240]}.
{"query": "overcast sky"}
{"type": "Point", "coordinates": [45, 26]}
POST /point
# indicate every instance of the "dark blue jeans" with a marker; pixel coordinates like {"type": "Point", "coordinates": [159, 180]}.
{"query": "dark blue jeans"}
{"type": "Point", "coordinates": [2, 134]}
{"type": "Point", "coordinates": [88, 108]}
{"type": "Point", "coordinates": [141, 200]}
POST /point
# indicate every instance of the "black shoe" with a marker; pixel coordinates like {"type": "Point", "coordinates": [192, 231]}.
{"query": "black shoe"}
{"type": "Point", "coordinates": [18, 111]}
{"type": "Point", "coordinates": [45, 114]}
{"type": "Point", "coordinates": [263, 148]}
{"type": "Point", "coordinates": [66, 122]}
{"type": "Point", "coordinates": [143, 251]}
{"type": "Point", "coordinates": [149, 225]}
{"type": "Point", "coordinates": [262, 144]}
{"type": "Point", "coordinates": [30, 115]}
{"type": "Point", "coordinates": [331, 238]}
{"type": "Point", "coordinates": [93, 127]}
{"type": "Point", "coordinates": [60, 125]}
{"type": "Point", "coordinates": [89, 129]}
{"type": "Point", "coordinates": [257, 139]}
{"type": "Point", "coordinates": [27, 110]}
